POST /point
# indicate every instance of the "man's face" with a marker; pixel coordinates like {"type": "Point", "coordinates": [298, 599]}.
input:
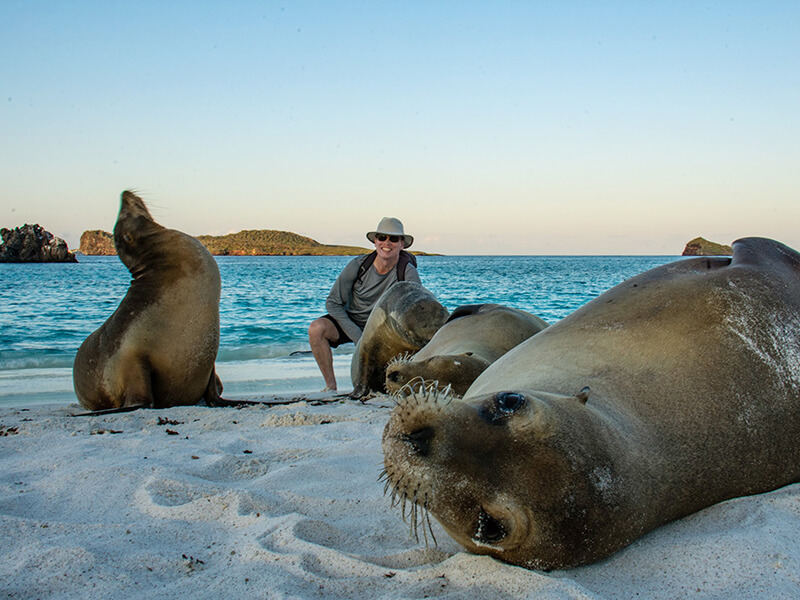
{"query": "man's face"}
{"type": "Point", "coordinates": [387, 248]}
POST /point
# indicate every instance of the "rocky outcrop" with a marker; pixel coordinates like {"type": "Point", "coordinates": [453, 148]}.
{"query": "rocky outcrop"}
{"type": "Point", "coordinates": [97, 243]}
{"type": "Point", "coordinates": [702, 247]}
{"type": "Point", "coordinates": [31, 243]}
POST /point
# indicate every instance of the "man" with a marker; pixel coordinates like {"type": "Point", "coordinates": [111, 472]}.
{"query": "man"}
{"type": "Point", "coordinates": [357, 289]}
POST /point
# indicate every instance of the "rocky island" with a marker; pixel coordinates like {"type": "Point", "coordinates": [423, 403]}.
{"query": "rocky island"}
{"type": "Point", "coordinates": [702, 247]}
{"type": "Point", "coordinates": [33, 244]}
{"type": "Point", "coordinates": [97, 243]}
{"type": "Point", "coordinates": [252, 242]}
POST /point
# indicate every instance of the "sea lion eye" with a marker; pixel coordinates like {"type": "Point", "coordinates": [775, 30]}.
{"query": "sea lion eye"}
{"type": "Point", "coordinates": [497, 409]}
{"type": "Point", "coordinates": [509, 402]}
{"type": "Point", "coordinates": [489, 529]}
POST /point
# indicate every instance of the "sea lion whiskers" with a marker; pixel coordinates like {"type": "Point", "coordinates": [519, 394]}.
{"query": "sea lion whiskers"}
{"type": "Point", "coordinates": [417, 514]}
{"type": "Point", "coordinates": [413, 495]}
{"type": "Point", "coordinates": [422, 392]}
{"type": "Point", "coordinates": [401, 358]}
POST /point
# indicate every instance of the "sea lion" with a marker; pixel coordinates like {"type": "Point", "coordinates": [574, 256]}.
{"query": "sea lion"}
{"type": "Point", "coordinates": [675, 390]}
{"type": "Point", "coordinates": [473, 337]}
{"type": "Point", "coordinates": [403, 320]}
{"type": "Point", "coordinates": [158, 348]}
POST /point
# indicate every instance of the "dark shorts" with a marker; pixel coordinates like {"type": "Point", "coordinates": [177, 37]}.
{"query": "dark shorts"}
{"type": "Point", "coordinates": [343, 339]}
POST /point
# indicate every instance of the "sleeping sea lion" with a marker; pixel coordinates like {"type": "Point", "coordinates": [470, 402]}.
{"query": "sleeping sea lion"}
{"type": "Point", "coordinates": [403, 320]}
{"type": "Point", "coordinates": [158, 348]}
{"type": "Point", "coordinates": [473, 337]}
{"type": "Point", "coordinates": [675, 390]}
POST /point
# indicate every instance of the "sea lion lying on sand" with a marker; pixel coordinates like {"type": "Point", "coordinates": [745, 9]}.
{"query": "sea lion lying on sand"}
{"type": "Point", "coordinates": [675, 390]}
{"type": "Point", "coordinates": [403, 320]}
{"type": "Point", "coordinates": [158, 348]}
{"type": "Point", "coordinates": [473, 337]}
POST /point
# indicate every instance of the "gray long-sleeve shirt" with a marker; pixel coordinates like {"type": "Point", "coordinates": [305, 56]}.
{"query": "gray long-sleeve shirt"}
{"type": "Point", "coordinates": [351, 304]}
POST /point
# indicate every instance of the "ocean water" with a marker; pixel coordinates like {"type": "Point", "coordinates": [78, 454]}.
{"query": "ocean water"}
{"type": "Point", "coordinates": [47, 310]}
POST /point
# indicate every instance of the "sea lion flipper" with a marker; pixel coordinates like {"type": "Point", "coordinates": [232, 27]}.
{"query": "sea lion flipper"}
{"type": "Point", "coordinates": [109, 411]}
{"type": "Point", "coordinates": [465, 311]}
{"type": "Point", "coordinates": [138, 392]}
{"type": "Point", "coordinates": [359, 392]}
{"type": "Point", "coordinates": [211, 396]}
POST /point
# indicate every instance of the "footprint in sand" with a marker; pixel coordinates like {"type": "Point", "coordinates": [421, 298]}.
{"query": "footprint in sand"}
{"type": "Point", "coordinates": [331, 552]}
{"type": "Point", "coordinates": [175, 499]}
{"type": "Point", "coordinates": [229, 468]}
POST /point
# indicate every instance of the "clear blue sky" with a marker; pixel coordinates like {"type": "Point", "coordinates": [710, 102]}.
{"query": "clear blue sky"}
{"type": "Point", "coordinates": [488, 128]}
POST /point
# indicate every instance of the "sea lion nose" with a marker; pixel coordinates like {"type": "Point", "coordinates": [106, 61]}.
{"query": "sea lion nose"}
{"type": "Point", "coordinates": [419, 440]}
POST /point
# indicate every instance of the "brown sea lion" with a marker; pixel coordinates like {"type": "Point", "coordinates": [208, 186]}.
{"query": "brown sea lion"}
{"type": "Point", "coordinates": [473, 337]}
{"type": "Point", "coordinates": [158, 348]}
{"type": "Point", "coordinates": [403, 320]}
{"type": "Point", "coordinates": [675, 390]}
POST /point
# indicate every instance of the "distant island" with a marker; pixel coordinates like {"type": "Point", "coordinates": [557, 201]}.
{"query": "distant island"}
{"type": "Point", "coordinates": [251, 242]}
{"type": "Point", "coordinates": [97, 243]}
{"type": "Point", "coordinates": [702, 247]}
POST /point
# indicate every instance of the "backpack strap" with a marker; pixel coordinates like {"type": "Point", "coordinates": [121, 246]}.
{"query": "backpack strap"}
{"type": "Point", "coordinates": [402, 261]}
{"type": "Point", "coordinates": [365, 264]}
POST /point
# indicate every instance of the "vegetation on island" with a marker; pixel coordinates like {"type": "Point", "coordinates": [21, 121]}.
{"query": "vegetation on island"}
{"type": "Point", "coordinates": [268, 242]}
{"type": "Point", "coordinates": [702, 247]}
{"type": "Point", "coordinates": [252, 242]}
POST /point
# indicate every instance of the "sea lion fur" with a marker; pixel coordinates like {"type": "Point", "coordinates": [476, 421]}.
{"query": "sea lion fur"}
{"type": "Point", "coordinates": [473, 337]}
{"type": "Point", "coordinates": [675, 390]}
{"type": "Point", "coordinates": [159, 346]}
{"type": "Point", "coordinates": [403, 320]}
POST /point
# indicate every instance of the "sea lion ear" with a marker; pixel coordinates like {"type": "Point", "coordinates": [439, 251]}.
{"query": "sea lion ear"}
{"type": "Point", "coordinates": [583, 395]}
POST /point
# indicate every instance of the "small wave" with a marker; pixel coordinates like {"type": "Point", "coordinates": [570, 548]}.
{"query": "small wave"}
{"type": "Point", "coordinates": [256, 352]}
{"type": "Point", "coordinates": [35, 360]}
{"type": "Point", "coordinates": [20, 360]}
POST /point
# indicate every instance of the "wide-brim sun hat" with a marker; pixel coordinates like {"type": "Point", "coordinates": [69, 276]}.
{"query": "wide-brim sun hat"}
{"type": "Point", "coordinates": [391, 226]}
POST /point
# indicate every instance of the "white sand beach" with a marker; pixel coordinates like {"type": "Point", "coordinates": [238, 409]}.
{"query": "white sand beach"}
{"type": "Point", "coordinates": [284, 502]}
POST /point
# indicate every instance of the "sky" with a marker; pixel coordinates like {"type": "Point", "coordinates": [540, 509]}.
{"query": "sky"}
{"type": "Point", "coordinates": [530, 127]}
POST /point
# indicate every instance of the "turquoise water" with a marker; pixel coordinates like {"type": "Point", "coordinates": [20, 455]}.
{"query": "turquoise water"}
{"type": "Point", "coordinates": [46, 311]}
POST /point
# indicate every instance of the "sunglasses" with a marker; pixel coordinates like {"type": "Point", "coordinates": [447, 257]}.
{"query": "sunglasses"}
{"type": "Point", "coordinates": [392, 238]}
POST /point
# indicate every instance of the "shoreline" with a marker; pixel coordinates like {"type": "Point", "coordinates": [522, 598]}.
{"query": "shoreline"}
{"type": "Point", "coordinates": [242, 380]}
{"type": "Point", "coordinates": [283, 501]}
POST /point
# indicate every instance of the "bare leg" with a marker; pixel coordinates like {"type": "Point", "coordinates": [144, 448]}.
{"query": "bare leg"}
{"type": "Point", "coordinates": [320, 334]}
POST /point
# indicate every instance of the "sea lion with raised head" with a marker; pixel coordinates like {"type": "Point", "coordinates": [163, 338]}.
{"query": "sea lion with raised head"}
{"type": "Point", "coordinates": [158, 348]}
{"type": "Point", "coordinates": [473, 337]}
{"type": "Point", "coordinates": [403, 320]}
{"type": "Point", "coordinates": [675, 390]}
